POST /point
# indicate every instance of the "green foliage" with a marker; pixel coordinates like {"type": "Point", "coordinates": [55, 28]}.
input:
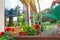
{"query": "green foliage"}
{"type": "Point", "coordinates": [7, 36]}
{"type": "Point", "coordinates": [28, 29]}
{"type": "Point", "coordinates": [22, 18]}
{"type": "Point", "coordinates": [37, 16]}
{"type": "Point", "coordinates": [31, 31]}
{"type": "Point", "coordinates": [9, 24]}
{"type": "Point", "coordinates": [42, 27]}
{"type": "Point", "coordinates": [45, 19]}
{"type": "Point", "coordinates": [46, 23]}
{"type": "Point", "coordinates": [58, 21]}
{"type": "Point", "coordinates": [53, 20]}
{"type": "Point", "coordinates": [25, 26]}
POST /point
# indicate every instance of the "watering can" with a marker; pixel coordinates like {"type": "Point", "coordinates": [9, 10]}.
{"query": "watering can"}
{"type": "Point", "coordinates": [55, 12]}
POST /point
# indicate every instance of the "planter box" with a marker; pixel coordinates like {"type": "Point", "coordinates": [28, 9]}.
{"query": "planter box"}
{"type": "Point", "coordinates": [16, 30]}
{"type": "Point", "coordinates": [37, 38]}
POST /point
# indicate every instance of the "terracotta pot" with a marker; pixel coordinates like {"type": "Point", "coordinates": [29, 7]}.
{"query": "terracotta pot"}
{"type": "Point", "coordinates": [16, 30]}
{"type": "Point", "coordinates": [22, 33]}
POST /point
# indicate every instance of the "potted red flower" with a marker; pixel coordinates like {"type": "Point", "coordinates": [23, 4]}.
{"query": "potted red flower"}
{"type": "Point", "coordinates": [22, 33]}
{"type": "Point", "coordinates": [37, 27]}
{"type": "Point", "coordinates": [6, 36]}
{"type": "Point", "coordinates": [9, 29]}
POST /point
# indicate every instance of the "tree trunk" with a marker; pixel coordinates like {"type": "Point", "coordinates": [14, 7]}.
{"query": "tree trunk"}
{"type": "Point", "coordinates": [10, 21]}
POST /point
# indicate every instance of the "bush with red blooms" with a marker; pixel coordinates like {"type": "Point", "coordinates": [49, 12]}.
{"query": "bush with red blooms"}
{"type": "Point", "coordinates": [9, 29]}
{"type": "Point", "coordinates": [36, 26]}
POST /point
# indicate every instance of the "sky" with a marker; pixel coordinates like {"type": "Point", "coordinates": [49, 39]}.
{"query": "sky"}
{"type": "Point", "coordinates": [13, 3]}
{"type": "Point", "coordinates": [45, 4]}
{"type": "Point", "coordinates": [10, 4]}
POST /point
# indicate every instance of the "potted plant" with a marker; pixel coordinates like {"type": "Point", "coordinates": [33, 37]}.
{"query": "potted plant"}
{"type": "Point", "coordinates": [6, 36]}
{"type": "Point", "coordinates": [36, 17]}
{"type": "Point", "coordinates": [37, 27]}
{"type": "Point", "coordinates": [28, 29]}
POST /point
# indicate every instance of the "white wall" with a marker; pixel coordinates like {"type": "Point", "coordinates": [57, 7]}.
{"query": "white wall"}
{"type": "Point", "coordinates": [1, 15]}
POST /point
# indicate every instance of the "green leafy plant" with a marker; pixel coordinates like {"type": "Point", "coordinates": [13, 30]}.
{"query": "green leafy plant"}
{"type": "Point", "coordinates": [37, 16]}
{"type": "Point", "coordinates": [28, 29]}
{"type": "Point", "coordinates": [6, 36]}
{"type": "Point", "coordinates": [46, 26]}
{"type": "Point", "coordinates": [22, 18]}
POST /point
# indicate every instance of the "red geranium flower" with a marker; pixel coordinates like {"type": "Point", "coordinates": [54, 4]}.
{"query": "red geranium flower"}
{"type": "Point", "coordinates": [9, 29]}
{"type": "Point", "coordinates": [36, 26]}
{"type": "Point", "coordinates": [1, 33]}
{"type": "Point", "coordinates": [12, 29]}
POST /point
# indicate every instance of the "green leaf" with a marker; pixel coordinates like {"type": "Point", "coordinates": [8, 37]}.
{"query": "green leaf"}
{"type": "Point", "coordinates": [37, 16]}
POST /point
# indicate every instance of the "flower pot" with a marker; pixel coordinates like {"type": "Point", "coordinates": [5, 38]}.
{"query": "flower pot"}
{"type": "Point", "coordinates": [13, 30]}
{"type": "Point", "coordinates": [22, 33]}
